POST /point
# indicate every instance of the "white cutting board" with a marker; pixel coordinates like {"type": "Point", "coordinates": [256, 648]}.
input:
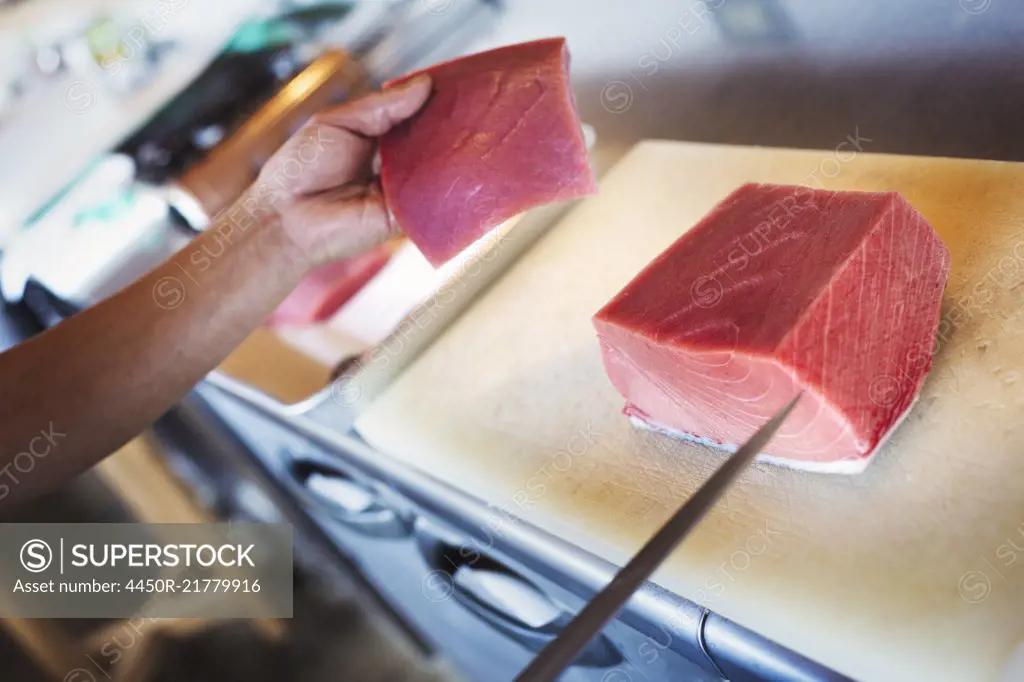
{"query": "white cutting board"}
{"type": "Point", "coordinates": [901, 573]}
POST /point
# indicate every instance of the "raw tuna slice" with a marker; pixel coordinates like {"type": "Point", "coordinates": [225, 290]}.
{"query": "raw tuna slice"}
{"type": "Point", "coordinates": [499, 135]}
{"type": "Point", "coordinates": [780, 289]}
{"type": "Point", "coordinates": [328, 287]}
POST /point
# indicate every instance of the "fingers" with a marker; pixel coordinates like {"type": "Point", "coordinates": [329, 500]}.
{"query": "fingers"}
{"type": "Point", "coordinates": [317, 158]}
{"type": "Point", "coordinates": [331, 215]}
{"type": "Point", "coordinates": [379, 112]}
{"type": "Point", "coordinates": [334, 147]}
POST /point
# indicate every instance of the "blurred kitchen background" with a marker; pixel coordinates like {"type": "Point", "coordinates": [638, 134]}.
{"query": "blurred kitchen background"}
{"type": "Point", "coordinates": [126, 124]}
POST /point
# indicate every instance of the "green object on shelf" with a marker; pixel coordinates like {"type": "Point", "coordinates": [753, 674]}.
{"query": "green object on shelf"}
{"type": "Point", "coordinates": [289, 28]}
{"type": "Point", "coordinates": [255, 35]}
{"type": "Point", "coordinates": [108, 210]}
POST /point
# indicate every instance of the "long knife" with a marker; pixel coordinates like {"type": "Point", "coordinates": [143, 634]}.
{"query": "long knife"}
{"type": "Point", "coordinates": [560, 653]}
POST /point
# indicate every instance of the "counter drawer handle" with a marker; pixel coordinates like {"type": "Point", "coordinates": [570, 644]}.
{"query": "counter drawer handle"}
{"type": "Point", "coordinates": [512, 605]}
{"type": "Point", "coordinates": [353, 504]}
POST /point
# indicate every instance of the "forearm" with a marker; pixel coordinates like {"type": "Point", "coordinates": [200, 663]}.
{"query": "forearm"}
{"type": "Point", "coordinates": [79, 391]}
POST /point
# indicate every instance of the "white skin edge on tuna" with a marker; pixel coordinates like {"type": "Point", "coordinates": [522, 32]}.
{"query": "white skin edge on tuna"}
{"type": "Point", "coordinates": [842, 466]}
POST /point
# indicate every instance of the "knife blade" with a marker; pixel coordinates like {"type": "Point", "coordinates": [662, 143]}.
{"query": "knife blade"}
{"type": "Point", "coordinates": [561, 652]}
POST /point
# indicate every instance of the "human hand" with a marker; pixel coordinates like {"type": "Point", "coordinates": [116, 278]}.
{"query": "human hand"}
{"type": "Point", "coordinates": [319, 184]}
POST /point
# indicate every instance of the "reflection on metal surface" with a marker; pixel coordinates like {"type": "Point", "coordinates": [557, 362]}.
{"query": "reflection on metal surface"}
{"type": "Point", "coordinates": [340, 492]}
{"type": "Point", "coordinates": [232, 166]}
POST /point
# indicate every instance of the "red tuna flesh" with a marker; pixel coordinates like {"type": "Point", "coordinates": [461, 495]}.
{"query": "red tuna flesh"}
{"type": "Point", "coordinates": [499, 135]}
{"type": "Point", "coordinates": [327, 288]}
{"type": "Point", "coordinates": [781, 289]}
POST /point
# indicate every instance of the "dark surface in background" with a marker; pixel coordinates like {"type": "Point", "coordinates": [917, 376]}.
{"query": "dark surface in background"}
{"type": "Point", "coordinates": [16, 665]}
{"type": "Point", "coordinates": [224, 95]}
{"type": "Point", "coordinates": [925, 77]}
{"type": "Point", "coordinates": [16, 324]}
{"type": "Point", "coordinates": [969, 104]}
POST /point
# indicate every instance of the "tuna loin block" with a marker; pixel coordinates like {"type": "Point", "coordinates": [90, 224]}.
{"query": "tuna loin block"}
{"type": "Point", "coordinates": [780, 289]}
{"type": "Point", "coordinates": [499, 135]}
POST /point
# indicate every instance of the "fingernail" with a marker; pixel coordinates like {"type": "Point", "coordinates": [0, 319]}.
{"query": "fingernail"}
{"type": "Point", "coordinates": [418, 81]}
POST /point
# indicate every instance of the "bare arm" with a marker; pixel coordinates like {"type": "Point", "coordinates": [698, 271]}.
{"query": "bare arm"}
{"type": "Point", "coordinates": [79, 391]}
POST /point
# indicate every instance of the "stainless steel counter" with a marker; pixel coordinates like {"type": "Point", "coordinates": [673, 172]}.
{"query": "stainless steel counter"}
{"type": "Point", "coordinates": [423, 544]}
